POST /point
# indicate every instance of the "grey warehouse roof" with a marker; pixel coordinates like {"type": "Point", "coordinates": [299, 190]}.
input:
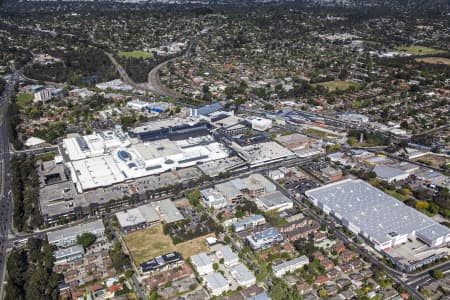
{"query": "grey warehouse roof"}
{"type": "Point", "coordinates": [375, 213]}
{"type": "Point", "coordinates": [274, 199]}
{"type": "Point", "coordinates": [386, 172]}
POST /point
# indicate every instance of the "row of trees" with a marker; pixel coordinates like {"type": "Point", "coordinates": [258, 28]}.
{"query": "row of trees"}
{"type": "Point", "coordinates": [25, 191]}
{"type": "Point", "coordinates": [13, 121]}
{"type": "Point", "coordinates": [2, 85]}
{"type": "Point", "coordinates": [119, 259]}
{"type": "Point", "coordinates": [30, 273]}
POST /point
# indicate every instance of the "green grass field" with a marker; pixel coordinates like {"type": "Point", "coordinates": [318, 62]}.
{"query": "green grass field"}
{"type": "Point", "coordinates": [136, 54]}
{"type": "Point", "coordinates": [337, 85]}
{"type": "Point", "coordinates": [24, 100]}
{"type": "Point", "coordinates": [319, 133]}
{"type": "Point", "coordinates": [396, 195]}
{"type": "Point", "coordinates": [419, 50]}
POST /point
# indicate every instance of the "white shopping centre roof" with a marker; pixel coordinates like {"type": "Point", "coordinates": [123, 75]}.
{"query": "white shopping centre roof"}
{"type": "Point", "coordinates": [106, 158]}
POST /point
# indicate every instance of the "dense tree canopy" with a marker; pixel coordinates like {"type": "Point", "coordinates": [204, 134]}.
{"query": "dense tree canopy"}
{"type": "Point", "coordinates": [30, 274]}
{"type": "Point", "coordinates": [86, 239]}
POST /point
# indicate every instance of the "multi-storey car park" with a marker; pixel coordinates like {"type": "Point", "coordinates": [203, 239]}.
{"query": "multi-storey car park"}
{"type": "Point", "coordinates": [401, 233]}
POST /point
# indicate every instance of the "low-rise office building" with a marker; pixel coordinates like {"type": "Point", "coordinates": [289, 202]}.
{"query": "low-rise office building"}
{"type": "Point", "coordinates": [213, 199]}
{"type": "Point", "coordinates": [275, 201]}
{"type": "Point", "coordinates": [243, 276]}
{"type": "Point", "coordinates": [249, 222]}
{"type": "Point", "coordinates": [290, 266]}
{"type": "Point", "coordinates": [264, 239]}
{"type": "Point", "coordinates": [230, 192]}
{"type": "Point", "coordinates": [68, 254]}
{"type": "Point", "coordinates": [216, 284]}
{"type": "Point", "coordinates": [229, 257]}
{"type": "Point", "coordinates": [202, 263]}
{"type": "Point", "coordinates": [161, 263]}
{"type": "Point", "coordinates": [205, 110]}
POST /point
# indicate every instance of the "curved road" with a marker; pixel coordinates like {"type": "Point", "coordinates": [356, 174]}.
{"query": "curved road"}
{"type": "Point", "coordinates": [153, 85]}
{"type": "Point", "coordinates": [154, 82]}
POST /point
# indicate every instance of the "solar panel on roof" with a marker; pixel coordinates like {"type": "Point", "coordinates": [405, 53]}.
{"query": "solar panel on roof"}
{"type": "Point", "coordinates": [82, 143]}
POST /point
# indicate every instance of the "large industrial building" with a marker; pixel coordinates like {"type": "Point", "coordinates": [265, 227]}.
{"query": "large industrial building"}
{"type": "Point", "coordinates": [382, 219]}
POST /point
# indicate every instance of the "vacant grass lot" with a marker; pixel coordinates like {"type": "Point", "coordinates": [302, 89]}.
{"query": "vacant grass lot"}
{"type": "Point", "coordinates": [419, 50]}
{"type": "Point", "coordinates": [151, 242]}
{"type": "Point", "coordinates": [136, 54]}
{"type": "Point", "coordinates": [435, 60]}
{"type": "Point", "coordinates": [319, 133]}
{"type": "Point", "coordinates": [433, 160]}
{"type": "Point", "coordinates": [337, 85]}
{"type": "Point", "coordinates": [23, 100]}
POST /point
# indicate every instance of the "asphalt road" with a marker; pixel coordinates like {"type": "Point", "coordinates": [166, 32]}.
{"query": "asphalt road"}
{"type": "Point", "coordinates": [5, 199]}
{"type": "Point", "coordinates": [154, 83]}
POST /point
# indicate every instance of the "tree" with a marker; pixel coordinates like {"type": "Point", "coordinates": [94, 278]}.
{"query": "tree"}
{"type": "Point", "coordinates": [277, 292]}
{"type": "Point", "coordinates": [422, 205]}
{"type": "Point", "coordinates": [119, 259]}
{"type": "Point", "coordinates": [443, 198]}
{"type": "Point", "coordinates": [194, 197]}
{"type": "Point", "coordinates": [153, 295]}
{"type": "Point", "coordinates": [215, 266]}
{"type": "Point", "coordinates": [352, 140]}
{"type": "Point", "coordinates": [127, 121]}
{"type": "Point", "coordinates": [30, 275]}
{"type": "Point", "coordinates": [86, 239]}
{"type": "Point", "coordinates": [438, 274]}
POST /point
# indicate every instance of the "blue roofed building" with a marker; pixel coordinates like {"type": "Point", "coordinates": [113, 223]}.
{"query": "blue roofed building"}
{"type": "Point", "coordinates": [205, 110]}
{"type": "Point", "coordinates": [264, 239]}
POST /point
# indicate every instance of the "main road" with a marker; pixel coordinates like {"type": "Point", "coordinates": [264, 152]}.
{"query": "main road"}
{"type": "Point", "coordinates": [5, 190]}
